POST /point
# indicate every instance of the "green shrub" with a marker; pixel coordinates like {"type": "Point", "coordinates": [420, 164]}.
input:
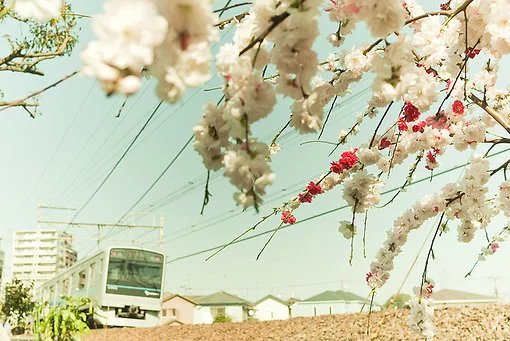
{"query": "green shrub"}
{"type": "Point", "coordinates": [65, 321]}
{"type": "Point", "coordinates": [17, 305]}
{"type": "Point", "coordinates": [221, 318]}
{"type": "Point", "coordinates": [398, 301]}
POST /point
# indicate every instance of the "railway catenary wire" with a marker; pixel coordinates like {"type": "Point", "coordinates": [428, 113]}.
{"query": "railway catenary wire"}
{"type": "Point", "coordinates": [426, 178]}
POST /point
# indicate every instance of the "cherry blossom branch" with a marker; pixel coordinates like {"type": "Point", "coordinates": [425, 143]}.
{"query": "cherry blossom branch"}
{"type": "Point", "coordinates": [505, 229]}
{"type": "Point", "coordinates": [275, 138]}
{"type": "Point", "coordinates": [351, 130]}
{"type": "Point", "coordinates": [327, 116]}
{"type": "Point", "coordinates": [269, 240]}
{"type": "Point", "coordinates": [408, 179]}
{"type": "Point", "coordinates": [238, 17]}
{"type": "Point", "coordinates": [464, 64]}
{"type": "Point", "coordinates": [379, 124]}
{"type": "Point", "coordinates": [275, 21]}
{"type": "Point", "coordinates": [493, 113]}
{"type": "Point", "coordinates": [18, 102]}
{"type": "Point", "coordinates": [407, 22]}
{"type": "Point", "coordinates": [364, 234]}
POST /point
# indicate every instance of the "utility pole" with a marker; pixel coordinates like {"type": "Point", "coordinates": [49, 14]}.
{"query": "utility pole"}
{"type": "Point", "coordinates": [495, 280]}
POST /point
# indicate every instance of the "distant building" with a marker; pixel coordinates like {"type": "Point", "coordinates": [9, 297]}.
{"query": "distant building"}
{"type": "Point", "coordinates": [177, 310]}
{"type": "Point", "coordinates": [2, 256]}
{"type": "Point", "coordinates": [40, 254]}
{"type": "Point", "coordinates": [451, 298]}
{"type": "Point", "coordinates": [331, 302]}
{"type": "Point", "coordinates": [221, 303]}
{"type": "Point", "coordinates": [271, 308]}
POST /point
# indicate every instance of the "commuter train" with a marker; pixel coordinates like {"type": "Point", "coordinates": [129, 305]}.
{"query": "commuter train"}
{"type": "Point", "coordinates": [124, 285]}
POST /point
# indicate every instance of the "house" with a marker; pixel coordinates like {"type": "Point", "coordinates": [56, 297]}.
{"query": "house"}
{"type": "Point", "coordinates": [177, 310]}
{"type": "Point", "coordinates": [222, 303]}
{"type": "Point", "coordinates": [271, 308]}
{"type": "Point", "coordinates": [331, 302]}
{"type": "Point", "coordinates": [450, 298]}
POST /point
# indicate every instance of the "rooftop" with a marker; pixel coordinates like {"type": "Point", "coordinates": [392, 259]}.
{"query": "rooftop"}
{"type": "Point", "coordinates": [456, 295]}
{"type": "Point", "coordinates": [221, 298]}
{"type": "Point", "coordinates": [338, 295]}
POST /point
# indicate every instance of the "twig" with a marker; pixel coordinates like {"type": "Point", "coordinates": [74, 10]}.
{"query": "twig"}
{"type": "Point", "coordinates": [19, 101]}
{"type": "Point", "coordinates": [121, 107]}
{"type": "Point", "coordinates": [221, 25]}
{"type": "Point", "coordinates": [493, 113]}
{"type": "Point", "coordinates": [275, 21]}
{"type": "Point", "coordinates": [264, 218]}
{"type": "Point", "coordinates": [270, 238]}
{"type": "Point", "coordinates": [490, 242]}
{"type": "Point", "coordinates": [379, 124]}
{"type": "Point", "coordinates": [207, 194]}
{"type": "Point", "coordinates": [327, 117]}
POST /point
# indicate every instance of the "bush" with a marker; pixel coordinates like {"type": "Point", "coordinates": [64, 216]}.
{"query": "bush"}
{"type": "Point", "coordinates": [397, 301]}
{"type": "Point", "coordinates": [17, 305]}
{"type": "Point", "coordinates": [63, 322]}
{"type": "Point", "coordinates": [221, 318]}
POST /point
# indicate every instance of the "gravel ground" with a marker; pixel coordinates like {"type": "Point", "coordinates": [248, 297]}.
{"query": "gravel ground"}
{"type": "Point", "coordinates": [466, 323]}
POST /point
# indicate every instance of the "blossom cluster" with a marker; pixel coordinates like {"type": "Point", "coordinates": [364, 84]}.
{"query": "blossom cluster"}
{"type": "Point", "coordinates": [38, 10]}
{"type": "Point", "coordinates": [169, 40]}
{"type": "Point", "coordinates": [464, 201]}
{"type": "Point", "coordinates": [472, 210]}
{"type": "Point", "coordinates": [494, 244]}
{"type": "Point", "coordinates": [504, 197]}
{"type": "Point", "coordinates": [421, 316]}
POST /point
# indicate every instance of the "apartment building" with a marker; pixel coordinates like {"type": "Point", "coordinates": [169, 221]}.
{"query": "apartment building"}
{"type": "Point", "coordinates": [40, 254]}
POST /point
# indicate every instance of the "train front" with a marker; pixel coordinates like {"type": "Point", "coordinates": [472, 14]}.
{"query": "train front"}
{"type": "Point", "coordinates": [133, 288]}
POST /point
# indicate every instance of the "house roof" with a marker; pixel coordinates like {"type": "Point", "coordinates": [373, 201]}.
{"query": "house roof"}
{"type": "Point", "coordinates": [274, 298]}
{"type": "Point", "coordinates": [222, 298]}
{"type": "Point", "coordinates": [293, 300]}
{"type": "Point", "coordinates": [338, 295]}
{"type": "Point", "coordinates": [177, 295]}
{"type": "Point", "coordinates": [456, 295]}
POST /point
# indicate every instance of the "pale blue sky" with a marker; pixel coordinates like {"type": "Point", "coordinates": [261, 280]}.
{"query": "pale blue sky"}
{"type": "Point", "coordinates": [59, 159]}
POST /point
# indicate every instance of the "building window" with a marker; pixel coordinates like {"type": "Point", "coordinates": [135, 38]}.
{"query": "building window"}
{"type": "Point", "coordinates": [217, 311]}
{"type": "Point", "coordinates": [171, 312]}
{"type": "Point", "coordinates": [82, 279]}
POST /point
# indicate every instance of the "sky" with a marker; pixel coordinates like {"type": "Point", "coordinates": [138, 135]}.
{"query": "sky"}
{"type": "Point", "coordinates": [59, 159]}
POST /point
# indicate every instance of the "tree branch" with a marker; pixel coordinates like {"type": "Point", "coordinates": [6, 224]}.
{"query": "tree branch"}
{"type": "Point", "coordinates": [493, 113]}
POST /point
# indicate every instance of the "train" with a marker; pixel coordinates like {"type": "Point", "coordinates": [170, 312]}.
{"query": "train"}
{"type": "Point", "coordinates": [124, 284]}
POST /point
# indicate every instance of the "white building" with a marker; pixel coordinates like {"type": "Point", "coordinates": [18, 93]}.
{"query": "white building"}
{"type": "Point", "coordinates": [271, 308]}
{"type": "Point", "coordinates": [40, 254]}
{"type": "Point", "coordinates": [452, 298]}
{"type": "Point", "coordinates": [222, 303]}
{"type": "Point", "coordinates": [331, 302]}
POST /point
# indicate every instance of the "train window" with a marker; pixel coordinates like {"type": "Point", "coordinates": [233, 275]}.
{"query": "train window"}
{"type": "Point", "coordinates": [82, 280]}
{"type": "Point", "coordinates": [65, 286]}
{"type": "Point", "coordinates": [92, 273]}
{"type": "Point", "coordinates": [134, 272]}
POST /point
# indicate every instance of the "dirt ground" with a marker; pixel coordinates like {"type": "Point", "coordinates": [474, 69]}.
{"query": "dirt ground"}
{"type": "Point", "coordinates": [466, 323]}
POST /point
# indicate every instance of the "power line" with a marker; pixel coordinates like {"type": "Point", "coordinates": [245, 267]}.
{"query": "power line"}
{"type": "Point", "coordinates": [167, 199]}
{"type": "Point", "coordinates": [87, 169]}
{"type": "Point", "coordinates": [317, 215]}
{"type": "Point", "coordinates": [157, 179]}
{"type": "Point", "coordinates": [118, 162]}
{"type": "Point", "coordinates": [59, 146]}
{"type": "Point", "coordinates": [66, 170]}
